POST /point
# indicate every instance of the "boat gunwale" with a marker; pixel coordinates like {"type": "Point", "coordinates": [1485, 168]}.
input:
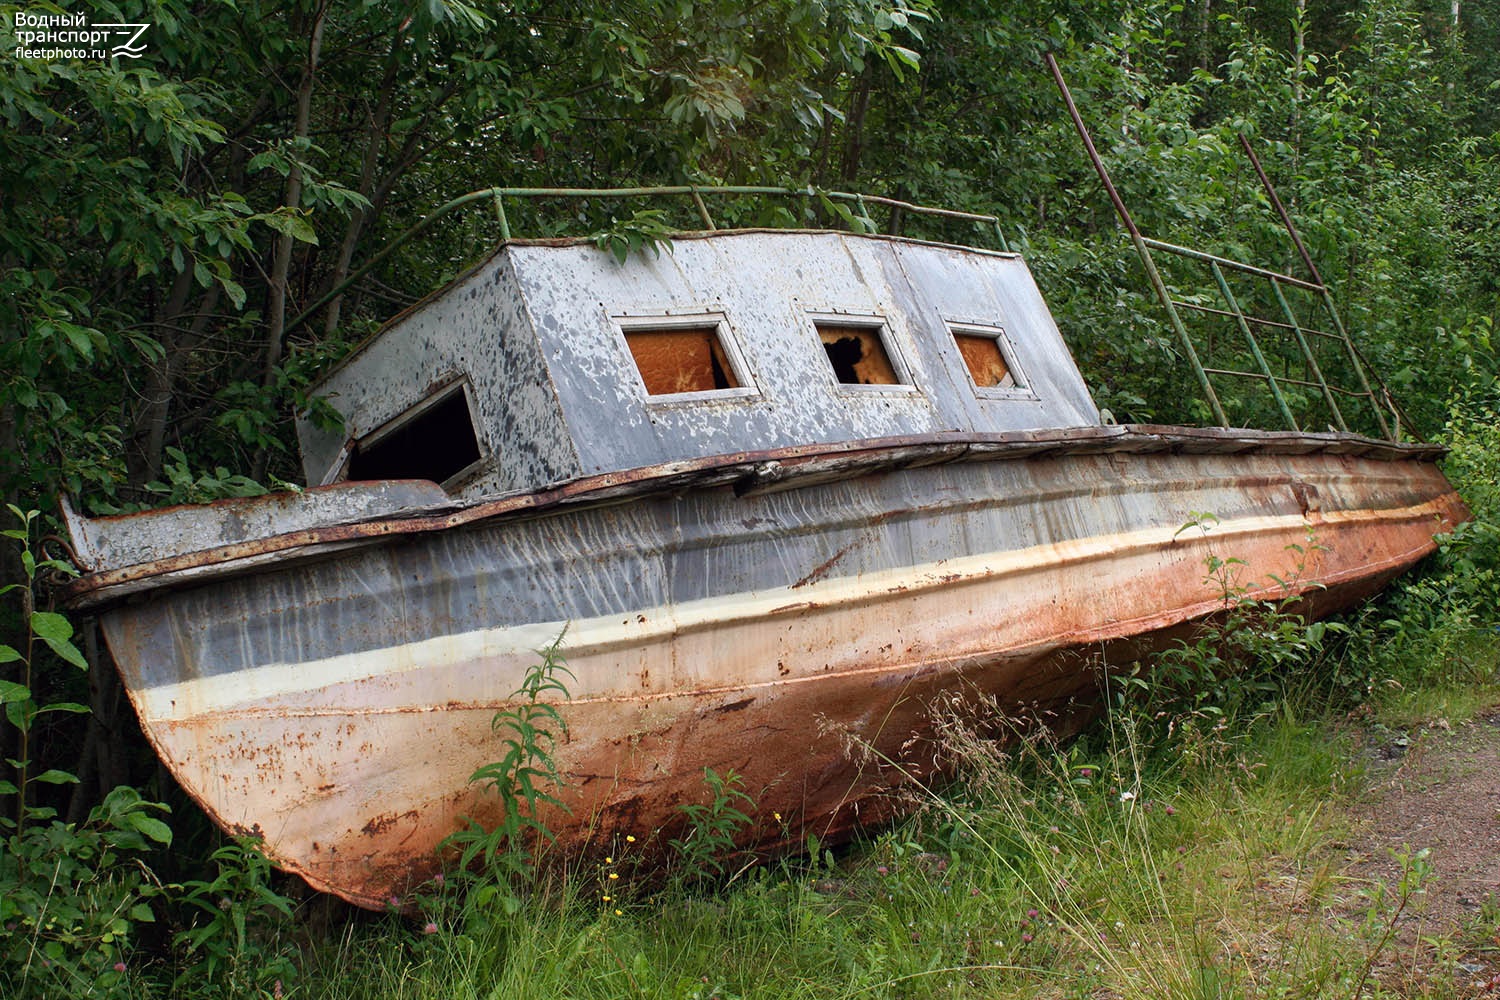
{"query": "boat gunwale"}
{"type": "Point", "coordinates": [749, 472]}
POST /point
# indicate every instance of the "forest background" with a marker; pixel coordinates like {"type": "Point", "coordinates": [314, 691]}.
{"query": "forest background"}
{"type": "Point", "coordinates": [168, 221]}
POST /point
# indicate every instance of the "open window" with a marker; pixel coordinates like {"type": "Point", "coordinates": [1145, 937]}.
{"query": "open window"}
{"type": "Point", "coordinates": [990, 360]}
{"type": "Point", "coordinates": [685, 357]}
{"type": "Point", "coordinates": [859, 352]}
{"type": "Point", "coordinates": [435, 439]}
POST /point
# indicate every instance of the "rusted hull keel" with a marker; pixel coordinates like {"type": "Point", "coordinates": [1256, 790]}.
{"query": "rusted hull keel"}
{"type": "Point", "coordinates": [338, 706]}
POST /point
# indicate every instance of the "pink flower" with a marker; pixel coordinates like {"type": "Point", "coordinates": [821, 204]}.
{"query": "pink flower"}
{"type": "Point", "coordinates": [119, 966]}
{"type": "Point", "coordinates": [882, 870]}
{"type": "Point", "coordinates": [1031, 914]}
{"type": "Point", "coordinates": [429, 928]}
{"type": "Point", "coordinates": [1170, 811]}
{"type": "Point", "coordinates": [1026, 938]}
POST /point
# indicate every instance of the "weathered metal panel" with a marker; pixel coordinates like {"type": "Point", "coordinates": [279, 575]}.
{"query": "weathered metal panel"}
{"type": "Point", "coordinates": [768, 288]}
{"type": "Point", "coordinates": [152, 536]}
{"type": "Point", "coordinates": [478, 327]}
{"type": "Point", "coordinates": [339, 706]}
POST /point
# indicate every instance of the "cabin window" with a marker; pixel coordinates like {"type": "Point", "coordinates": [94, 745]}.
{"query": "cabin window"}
{"type": "Point", "coordinates": [684, 356]}
{"type": "Point", "coordinates": [433, 440]}
{"type": "Point", "coordinates": [858, 353]}
{"type": "Point", "coordinates": [990, 360]}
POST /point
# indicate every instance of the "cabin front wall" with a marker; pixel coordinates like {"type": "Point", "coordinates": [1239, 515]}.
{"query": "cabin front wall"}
{"type": "Point", "coordinates": [766, 292]}
{"type": "Point", "coordinates": [476, 330]}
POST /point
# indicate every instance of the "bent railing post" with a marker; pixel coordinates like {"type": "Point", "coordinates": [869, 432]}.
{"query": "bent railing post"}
{"type": "Point", "coordinates": [1140, 246]}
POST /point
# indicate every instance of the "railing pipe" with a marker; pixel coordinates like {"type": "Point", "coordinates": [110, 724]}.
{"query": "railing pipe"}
{"type": "Point", "coordinates": [1141, 249]}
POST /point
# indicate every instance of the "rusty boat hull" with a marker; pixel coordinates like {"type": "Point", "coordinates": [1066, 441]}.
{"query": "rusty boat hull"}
{"type": "Point", "coordinates": [330, 687]}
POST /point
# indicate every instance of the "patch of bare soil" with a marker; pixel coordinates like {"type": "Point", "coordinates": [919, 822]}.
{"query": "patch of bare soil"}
{"type": "Point", "coordinates": [1438, 789]}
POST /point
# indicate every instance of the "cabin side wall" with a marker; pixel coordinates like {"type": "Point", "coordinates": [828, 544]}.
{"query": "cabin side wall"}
{"type": "Point", "coordinates": [767, 292]}
{"type": "Point", "coordinates": [476, 331]}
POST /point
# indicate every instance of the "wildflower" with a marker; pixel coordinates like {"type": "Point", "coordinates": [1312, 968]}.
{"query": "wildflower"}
{"type": "Point", "coordinates": [619, 913]}
{"type": "Point", "coordinates": [1031, 914]}
{"type": "Point", "coordinates": [429, 928]}
{"type": "Point", "coordinates": [1026, 938]}
{"type": "Point", "coordinates": [1127, 796]}
{"type": "Point", "coordinates": [630, 838]}
{"type": "Point", "coordinates": [609, 861]}
{"type": "Point", "coordinates": [974, 892]}
{"type": "Point", "coordinates": [1170, 811]}
{"type": "Point", "coordinates": [276, 990]}
{"type": "Point", "coordinates": [438, 878]}
{"type": "Point", "coordinates": [614, 874]}
{"type": "Point", "coordinates": [394, 901]}
{"type": "Point", "coordinates": [882, 870]}
{"type": "Point", "coordinates": [776, 816]}
{"type": "Point", "coordinates": [1086, 772]}
{"type": "Point", "coordinates": [119, 966]}
{"type": "Point", "coordinates": [607, 899]}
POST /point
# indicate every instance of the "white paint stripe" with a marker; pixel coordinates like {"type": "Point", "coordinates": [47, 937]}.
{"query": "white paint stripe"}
{"type": "Point", "coordinates": [601, 635]}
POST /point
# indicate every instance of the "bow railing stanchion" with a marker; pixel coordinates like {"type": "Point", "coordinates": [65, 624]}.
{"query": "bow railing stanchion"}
{"type": "Point", "coordinates": [1141, 248]}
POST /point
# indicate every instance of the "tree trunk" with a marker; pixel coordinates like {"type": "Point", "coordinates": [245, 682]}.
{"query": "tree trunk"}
{"type": "Point", "coordinates": [291, 199]}
{"type": "Point", "coordinates": [374, 141]}
{"type": "Point", "coordinates": [854, 132]}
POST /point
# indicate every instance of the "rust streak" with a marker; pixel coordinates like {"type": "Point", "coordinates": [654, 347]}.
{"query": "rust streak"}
{"type": "Point", "coordinates": [823, 567]}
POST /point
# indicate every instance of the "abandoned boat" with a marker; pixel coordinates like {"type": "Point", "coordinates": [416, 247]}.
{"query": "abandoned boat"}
{"type": "Point", "coordinates": [782, 489]}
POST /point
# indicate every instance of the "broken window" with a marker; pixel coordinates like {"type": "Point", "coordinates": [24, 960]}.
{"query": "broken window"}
{"type": "Point", "coordinates": [989, 359]}
{"type": "Point", "coordinates": [857, 354]}
{"type": "Point", "coordinates": [434, 440]}
{"type": "Point", "coordinates": [681, 359]}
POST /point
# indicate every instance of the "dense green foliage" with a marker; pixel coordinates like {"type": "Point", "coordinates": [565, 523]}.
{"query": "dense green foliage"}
{"type": "Point", "coordinates": [166, 222]}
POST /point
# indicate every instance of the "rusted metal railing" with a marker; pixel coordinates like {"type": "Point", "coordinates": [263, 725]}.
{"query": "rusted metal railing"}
{"type": "Point", "coordinates": [1381, 405]}
{"type": "Point", "coordinates": [695, 193]}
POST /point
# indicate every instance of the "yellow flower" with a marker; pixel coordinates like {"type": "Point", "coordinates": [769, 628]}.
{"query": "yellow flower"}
{"type": "Point", "coordinates": [630, 838]}
{"type": "Point", "coordinates": [614, 874]}
{"type": "Point", "coordinates": [619, 913]}
{"type": "Point", "coordinates": [606, 899]}
{"type": "Point", "coordinates": [609, 861]}
{"type": "Point", "coordinates": [777, 816]}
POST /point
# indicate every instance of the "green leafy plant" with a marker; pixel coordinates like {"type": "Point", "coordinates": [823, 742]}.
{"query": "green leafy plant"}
{"type": "Point", "coordinates": [1238, 664]}
{"type": "Point", "coordinates": [709, 839]}
{"type": "Point", "coordinates": [70, 900]}
{"type": "Point", "coordinates": [646, 228]}
{"type": "Point", "coordinates": [230, 947]}
{"type": "Point", "coordinates": [496, 862]}
{"type": "Point", "coordinates": [180, 485]}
